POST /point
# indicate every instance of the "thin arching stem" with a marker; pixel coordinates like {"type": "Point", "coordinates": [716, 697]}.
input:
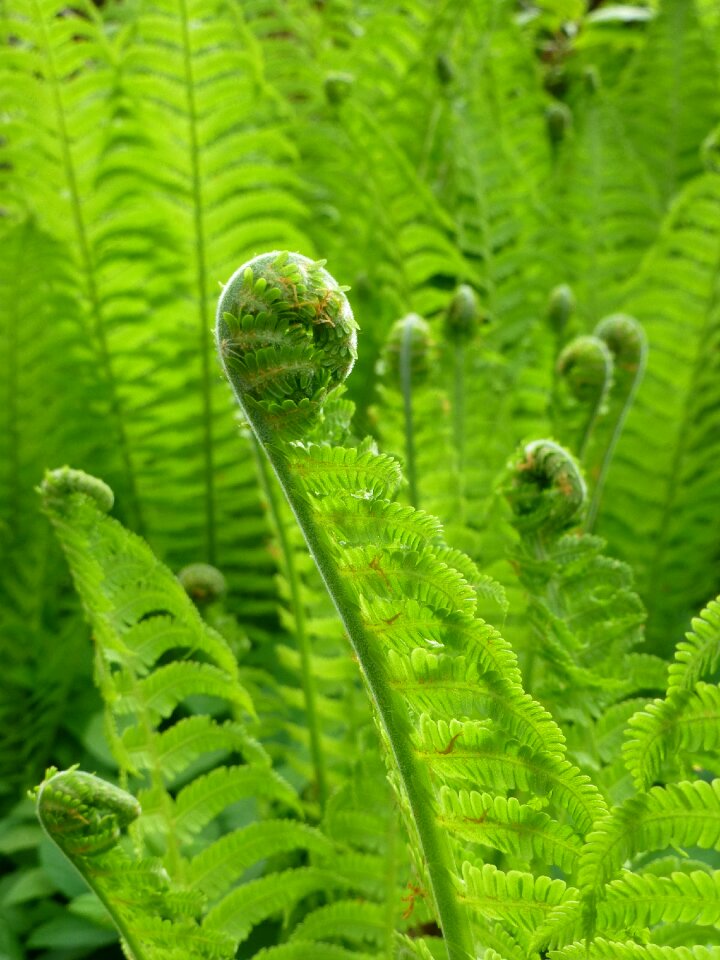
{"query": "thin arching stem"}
{"type": "Point", "coordinates": [406, 352]}
{"type": "Point", "coordinates": [607, 459]}
{"type": "Point", "coordinates": [434, 843]}
{"type": "Point", "coordinates": [307, 679]}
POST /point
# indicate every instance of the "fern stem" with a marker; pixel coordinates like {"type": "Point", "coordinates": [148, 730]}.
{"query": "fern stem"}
{"type": "Point", "coordinates": [267, 482]}
{"type": "Point", "coordinates": [434, 843]}
{"type": "Point", "coordinates": [133, 945]}
{"type": "Point", "coordinates": [609, 453]}
{"type": "Point", "coordinates": [201, 277]}
{"type": "Point", "coordinates": [406, 354]}
{"type": "Point", "coordinates": [459, 417]}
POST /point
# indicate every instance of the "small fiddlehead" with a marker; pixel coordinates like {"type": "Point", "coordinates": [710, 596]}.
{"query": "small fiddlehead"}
{"type": "Point", "coordinates": [203, 583]}
{"type": "Point", "coordinates": [84, 815]}
{"type": "Point", "coordinates": [546, 489]}
{"type": "Point", "coordinates": [407, 361]}
{"type": "Point", "coordinates": [626, 341]}
{"type": "Point", "coordinates": [586, 367]}
{"type": "Point", "coordinates": [560, 308]}
{"type": "Point", "coordinates": [58, 484]}
{"type": "Point", "coordinates": [462, 322]}
{"type": "Point", "coordinates": [86, 818]}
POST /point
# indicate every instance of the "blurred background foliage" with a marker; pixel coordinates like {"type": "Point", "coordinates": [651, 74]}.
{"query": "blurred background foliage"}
{"type": "Point", "coordinates": [148, 147]}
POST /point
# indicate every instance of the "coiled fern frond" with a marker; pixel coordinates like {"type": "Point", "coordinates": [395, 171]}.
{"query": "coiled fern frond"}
{"type": "Point", "coordinates": [434, 672]}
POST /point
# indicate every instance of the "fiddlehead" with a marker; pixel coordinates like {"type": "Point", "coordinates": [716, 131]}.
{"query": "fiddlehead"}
{"type": "Point", "coordinates": [583, 615]}
{"type": "Point", "coordinates": [586, 367]}
{"type": "Point", "coordinates": [286, 336]}
{"type": "Point", "coordinates": [58, 484]}
{"type": "Point", "coordinates": [86, 817]}
{"type": "Point", "coordinates": [560, 308]}
{"type": "Point", "coordinates": [83, 814]}
{"type": "Point", "coordinates": [626, 341]}
{"type": "Point", "coordinates": [203, 583]}
{"type": "Point", "coordinates": [546, 489]}
{"type": "Point", "coordinates": [406, 361]}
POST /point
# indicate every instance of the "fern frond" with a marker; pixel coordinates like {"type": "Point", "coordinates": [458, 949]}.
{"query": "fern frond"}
{"type": "Point", "coordinates": [516, 897]}
{"type": "Point", "coordinates": [646, 520]}
{"type": "Point", "coordinates": [675, 57]}
{"type": "Point", "coordinates": [238, 912]}
{"type": "Point", "coordinates": [384, 593]}
{"type": "Point", "coordinates": [203, 799]}
{"type": "Point", "coordinates": [85, 817]}
{"type": "Point", "coordinates": [685, 723]}
{"type": "Point", "coordinates": [602, 949]}
{"type": "Point", "coordinates": [682, 815]}
{"type": "Point", "coordinates": [638, 901]}
{"type": "Point", "coordinates": [699, 654]}
{"type": "Point", "coordinates": [507, 825]}
{"type": "Point", "coordinates": [223, 862]}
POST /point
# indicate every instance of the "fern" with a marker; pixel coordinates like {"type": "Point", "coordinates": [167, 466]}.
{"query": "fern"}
{"type": "Point", "coordinates": [679, 491]}
{"type": "Point", "coordinates": [684, 724]}
{"type": "Point", "coordinates": [379, 588]}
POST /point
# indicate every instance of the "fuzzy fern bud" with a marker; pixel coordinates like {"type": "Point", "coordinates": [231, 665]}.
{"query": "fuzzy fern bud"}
{"type": "Point", "coordinates": [586, 364]}
{"type": "Point", "coordinates": [444, 69]}
{"type": "Point", "coordinates": [463, 316]}
{"type": "Point", "coordinates": [338, 86]}
{"type": "Point", "coordinates": [61, 483]}
{"type": "Point", "coordinates": [710, 151]}
{"type": "Point", "coordinates": [83, 814]}
{"type": "Point", "coordinates": [546, 489]}
{"type": "Point", "coordinates": [202, 582]}
{"type": "Point", "coordinates": [409, 337]}
{"type": "Point", "coordinates": [559, 121]}
{"type": "Point", "coordinates": [286, 336]}
{"type": "Point", "coordinates": [625, 339]}
{"type": "Point", "coordinates": [561, 306]}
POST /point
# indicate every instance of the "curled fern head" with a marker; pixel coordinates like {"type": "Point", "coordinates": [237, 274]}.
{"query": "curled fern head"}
{"type": "Point", "coordinates": [409, 337]}
{"type": "Point", "coordinates": [202, 582]}
{"type": "Point", "coordinates": [545, 488]}
{"type": "Point", "coordinates": [338, 86]}
{"type": "Point", "coordinates": [561, 304]}
{"type": "Point", "coordinates": [463, 316]}
{"type": "Point", "coordinates": [559, 121]}
{"type": "Point", "coordinates": [83, 814]}
{"type": "Point", "coordinates": [710, 151]}
{"type": "Point", "coordinates": [625, 338]}
{"type": "Point", "coordinates": [61, 483]}
{"type": "Point", "coordinates": [444, 69]}
{"type": "Point", "coordinates": [586, 364]}
{"type": "Point", "coordinates": [286, 336]}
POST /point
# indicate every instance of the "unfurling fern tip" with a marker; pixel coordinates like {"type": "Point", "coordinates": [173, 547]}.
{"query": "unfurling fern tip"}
{"type": "Point", "coordinates": [286, 336]}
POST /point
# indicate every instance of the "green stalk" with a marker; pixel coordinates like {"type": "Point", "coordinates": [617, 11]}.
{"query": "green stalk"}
{"type": "Point", "coordinates": [434, 843]}
{"type": "Point", "coordinates": [406, 346]}
{"type": "Point", "coordinates": [612, 444]}
{"type": "Point", "coordinates": [267, 482]}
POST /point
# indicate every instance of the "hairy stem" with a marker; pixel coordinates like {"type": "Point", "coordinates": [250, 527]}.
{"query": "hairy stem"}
{"type": "Point", "coordinates": [406, 351]}
{"type": "Point", "coordinates": [609, 453]}
{"type": "Point", "coordinates": [434, 844]}
{"type": "Point", "coordinates": [267, 482]}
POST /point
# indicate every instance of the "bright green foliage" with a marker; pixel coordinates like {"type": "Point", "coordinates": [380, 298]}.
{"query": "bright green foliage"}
{"type": "Point", "coordinates": [520, 202]}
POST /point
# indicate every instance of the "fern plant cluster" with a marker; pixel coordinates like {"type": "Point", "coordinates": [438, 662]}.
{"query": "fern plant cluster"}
{"type": "Point", "coordinates": [382, 622]}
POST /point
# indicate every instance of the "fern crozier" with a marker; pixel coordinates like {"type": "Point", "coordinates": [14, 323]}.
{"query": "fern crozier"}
{"type": "Point", "coordinates": [63, 482]}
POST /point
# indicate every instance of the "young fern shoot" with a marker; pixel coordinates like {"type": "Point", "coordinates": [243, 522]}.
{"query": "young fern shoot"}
{"type": "Point", "coordinates": [445, 685]}
{"type": "Point", "coordinates": [287, 336]}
